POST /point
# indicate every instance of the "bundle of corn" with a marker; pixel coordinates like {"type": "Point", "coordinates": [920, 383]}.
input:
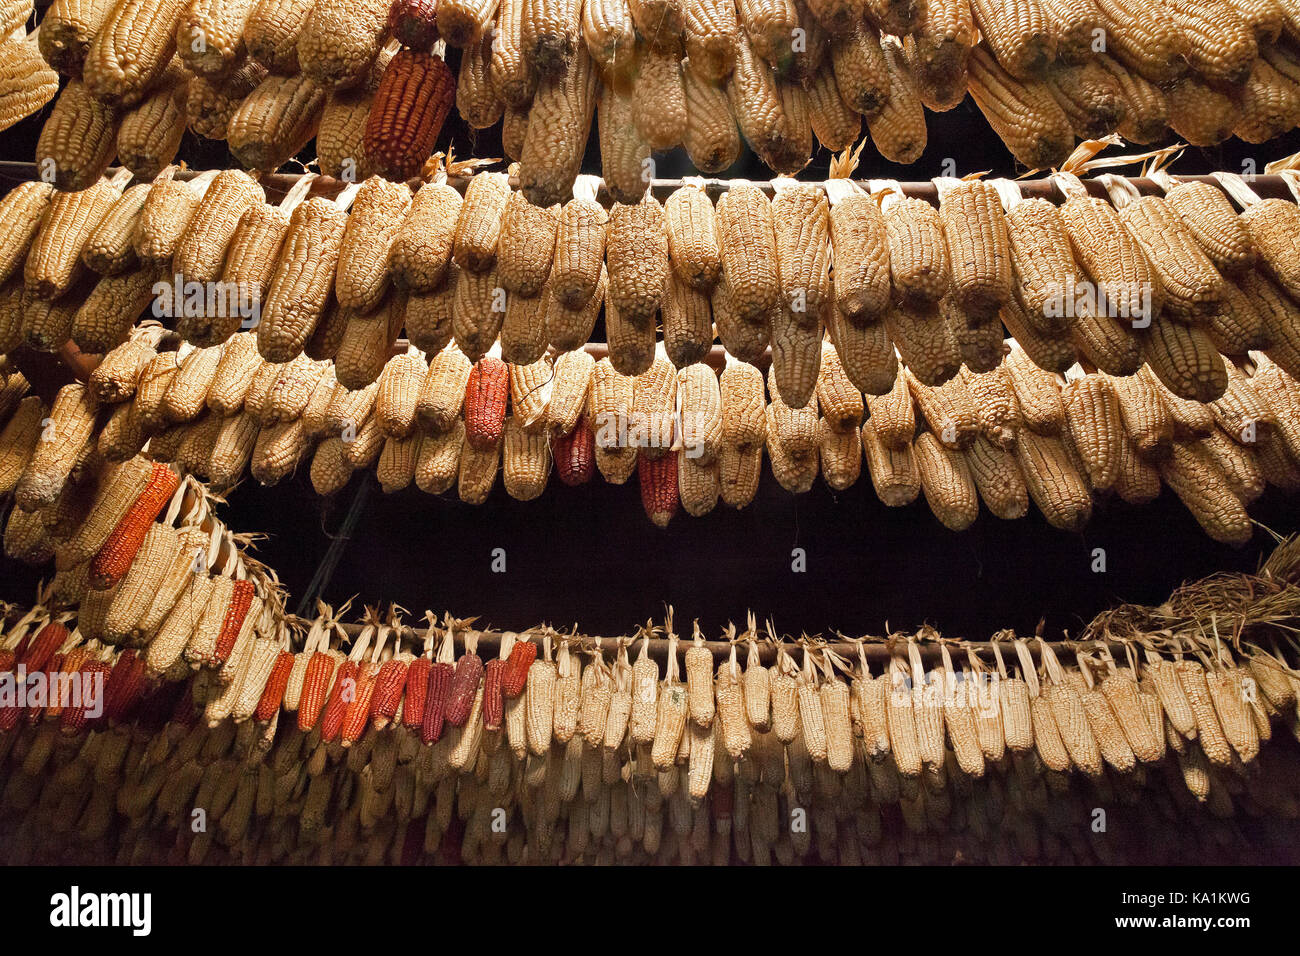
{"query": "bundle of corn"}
{"type": "Point", "coordinates": [371, 81]}
{"type": "Point", "coordinates": [604, 761]}
{"type": "Point", "coordinates": [342, 279]}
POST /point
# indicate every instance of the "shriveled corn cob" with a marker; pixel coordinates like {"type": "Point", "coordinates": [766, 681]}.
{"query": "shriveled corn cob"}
{"type": "Point", "coordinates": [340, 39]}
{"type": "Point", "coordinates": [559, 123]}
{"type": "Point", "coordinates": [275, 121]}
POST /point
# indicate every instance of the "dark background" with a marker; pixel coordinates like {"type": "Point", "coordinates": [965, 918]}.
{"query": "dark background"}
{"type": "Point", "coordinates": [590, 556]}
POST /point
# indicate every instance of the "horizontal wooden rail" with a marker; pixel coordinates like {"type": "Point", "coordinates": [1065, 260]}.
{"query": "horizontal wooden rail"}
{"type": "Point", "coordinates": [277, 184]}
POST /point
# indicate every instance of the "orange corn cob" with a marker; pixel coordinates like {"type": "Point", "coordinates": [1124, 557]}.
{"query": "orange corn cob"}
{"type": "Point", "coordinates": [44, 646]}
{"type": "Point", "coordinates": [435, 702]}
{"type": "Point", "coordinates": [241, 599]}
{"type": "Point", "coordinates": [34, 711]}
{"type": "Point", "coordinates": [464, 685]}
{"type": "Point", "coordinates": [485, 403]}
{"type": "Point", "coordinates": [494, 705]}
{"type": "Point", "coordinates": [659, 494]}
{"type": "Point", "coordinates": [276, 684]}
{"type": "Point", "coordinates": [388, 692]}
{"type": "Point", "coordinates": [417, 692]}
{"type": "Point", "coordinates": [115, 557]}
{"type": "Point", "coordinates": [575, 455]}
{"type": "Point", "coordinates": [357, 714]}
{"type": "Point", "coordinates": [315, 686]}
{"type": "Point", "coordinates": [515, 677]}
{"type": "Point", "coordinates": [331, 718]}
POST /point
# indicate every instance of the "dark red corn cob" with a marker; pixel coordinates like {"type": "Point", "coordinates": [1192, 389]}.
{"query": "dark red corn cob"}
{"type": "Point", "coordinates": [515, 677]}
{"type": "Point", "coordinates": [435, 703]}
{"type": "Point", "coordinates": [357, 714]}
{"type": "Point", "coordinates": [276, 684]}
{"type": "Point", "coordinates": [331, 718]}
{"type": "Point", "coordinates": [464, 685]}
{"type": "Point", "coordinates": [575, 454]}
{"type": "Point", "coordinates": [126, 686]}
{"type": "Point", "coordinates": [659, 494]}
{"type": "Point", "coordinates": [411, 103]}
{"type": "Point", "coordinates": [47, 641]}
{"type": "Point", "coordinates": [417, 692]}
{"type": "Point", "coordinates": [388, 692]}
{"type": "Point", "coordinates": [413, 23]}
{"type": "Point", "coordinates": [185, 713]}
{"type": "Point", "coordinates": [485, 402]}
{"type": "Point", "coordinates": [75, 719]}
{"type": "Point", "coordinates": [494, 705]}
{"type": "Point", "coordinates": [115, 557]}
{"type": "Point", "coordinates": [241, 599]}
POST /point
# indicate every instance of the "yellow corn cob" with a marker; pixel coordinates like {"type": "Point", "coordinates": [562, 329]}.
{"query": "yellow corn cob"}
{"type": "Point", "coordinates": [201, 254]}
{"type": "Point", "coordinates": [367, 342]}
{"type": "Point", "coordinates": [132, 49]}
{"type": "Point", "coordinates": [636, 254]}
{"type": "Point", "coordinates": [1185, 360]}
{"type": "Point", "coordinates": [898, 128]}
{"type": "Point", "coordinates": [67, 30]}
{"type": "Point", "coordinates": [711, 138]}
{"type": "Point", "coordinates": [105, 317]}
{"type": "Point", "coordinates": [1146, 112]}
{"type": "Point", "coordinates": [756, 104]}
{"type": "Point", "coordinates": [275, 121]}
{"type": "Point", "coordinates": [1090, 97]}
{"type": "Point", "coordinates": [559, 123]}
{"type": "Point", "coordinates": [70, 425]}
{"type": "Point", "coordinates": [303, 279]}
{"type": "Point", "coordinates": [1092, 415]}
{"type": "Point", "coordinates": [866, 353]}
{"type": "Point", "coordinates": [78, 140]}
{"type": "Point", "coordinates": [26, 82]}
{"type": "Point", "coordinates": [340, 39]}
{"type": "Point", "coordinates": [210, 103]}
{"type": "Point", "coordinates": [1198, 113]}
{"type": "Point", "coordinates": [438, 466]}
{"type": "Point", "coordinates": [1025, 117]}
{"type": "Point", "coordinates": [947, 482]}
{"type": "Point", "coordinates": [150, 132]}
{"type": "Point", "coordinates": [925, 341]}
{"type": "Point", "coordinates": [1145, 40]}
{"type": "Point", "coordinates": [1054, 483]}
{"type": "Point", "coordinates": [1204, 490]}
{"type": "Point", "coordinates": [978, 246]}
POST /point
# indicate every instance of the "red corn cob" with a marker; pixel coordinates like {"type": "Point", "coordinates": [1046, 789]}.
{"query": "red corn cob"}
{"type": "Point", "coordinates": [575, 454]}
{"type": "Point", "coordinates": [20, 648]}
{"type": "Point", "coordinates": [464, 685]}
{"type": "Point", "coordinates": [411, 103]}
{"type": "Point", "coordinates": [388, 692]}
{"type": "Point", "coordinates": [9, 712]}
{"type": "Point", "coordinates": [435, 703]}
{"type": "Point", "coordinates": [417, 692]}
{"type": "Point", "coordinates": [315, 686]}
{"type": "Point", "coordinates": [357, 714]}
{"type": "Point", "coordinates": [331, 718]}
{"type": "Point", "coordinates": [115, 557]}
{"type": "Point", "coordinates": [485, 402]}
{"type": "Point", "coordinates": [47, 641]}
{"type": "Point", "coordinates": [413, 23]}
{"type": "Point", "coordinates": [515, 677]}
{"type": "Point", "coordinates": [7, 661]}
{"type": "Point", "coordinates": [276, 683]}
{"type": "Point", "coordinates": [241, 599]}
{"type": "Point", "coordinates": [494, 706]}
{"type": "Point", "coordinates": [659, 487]}
{"type": "Point", "coordinates": [76, 719]}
